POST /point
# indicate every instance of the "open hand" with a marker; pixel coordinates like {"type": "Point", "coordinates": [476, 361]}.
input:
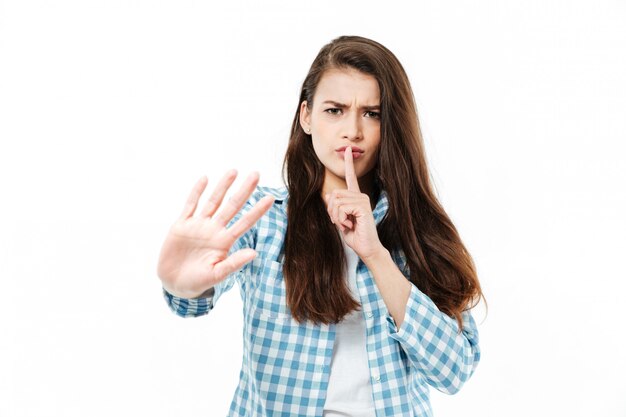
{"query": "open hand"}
{"type": "Point", "coordinates": [194, 256]}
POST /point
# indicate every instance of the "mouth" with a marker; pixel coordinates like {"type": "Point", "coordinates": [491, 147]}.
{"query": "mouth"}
{"type": "Point", "coordinates": [354, 149]}
{"type": "Point", "coordinates": [356, 152]}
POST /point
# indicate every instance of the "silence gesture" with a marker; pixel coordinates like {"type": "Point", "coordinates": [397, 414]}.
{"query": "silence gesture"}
{"type": "Point", "coordinates": [350, 210]}
{"type": "Point", "coordinates": [194, 256]}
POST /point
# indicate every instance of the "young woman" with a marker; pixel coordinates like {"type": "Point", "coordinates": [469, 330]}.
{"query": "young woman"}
{"type": "Point", "coordinates": [355, 284]}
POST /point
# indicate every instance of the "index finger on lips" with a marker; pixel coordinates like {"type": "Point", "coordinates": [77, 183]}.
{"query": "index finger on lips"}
{"type": "Point", "coordinates": [351, 179]}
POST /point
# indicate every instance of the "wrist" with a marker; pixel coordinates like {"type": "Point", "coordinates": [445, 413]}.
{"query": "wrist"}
{"type": "Point", "coordinates": [188, 295]}
{"type": "Point", "coordinates": [207, 294]}
{"type": "Point", "coordinates": [377, 257]}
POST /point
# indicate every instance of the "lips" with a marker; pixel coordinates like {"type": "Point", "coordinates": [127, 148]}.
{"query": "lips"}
{"type": "Point", "coordinates": [354, 149]}
{"type": "Point", "coordinates": [356, 152]}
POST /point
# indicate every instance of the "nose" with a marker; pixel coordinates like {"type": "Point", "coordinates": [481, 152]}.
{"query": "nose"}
{"type": "Point", "coordinates": [352, 129]}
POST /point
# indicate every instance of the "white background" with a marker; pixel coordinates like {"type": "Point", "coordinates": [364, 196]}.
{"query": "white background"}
{"type": "Point", "coordinates": [111, 110]}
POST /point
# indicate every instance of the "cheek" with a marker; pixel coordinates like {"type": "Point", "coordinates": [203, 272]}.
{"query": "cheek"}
{"type": "Point", "coordinates": [376, 149]}
{"type": "Point", "coordinates": [372, 160]}
{"type": "Point", "coordinates": [323, 154]}
{"type": "Point", "coordinates": [318, 148]}
{"type": "Point", "coordinates": [323, 149]}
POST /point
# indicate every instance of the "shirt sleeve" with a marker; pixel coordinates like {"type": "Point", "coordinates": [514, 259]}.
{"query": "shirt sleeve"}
{"type": "Point", "coordinates": [194, 307]}
{"type": "Point", "coordinates": [431, 339]}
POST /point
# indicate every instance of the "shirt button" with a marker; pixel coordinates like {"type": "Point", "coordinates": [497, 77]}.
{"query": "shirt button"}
{"type": "Point", "coordinates": [376, 376]}
{"type": "Point", "coordinates": [370, 314]}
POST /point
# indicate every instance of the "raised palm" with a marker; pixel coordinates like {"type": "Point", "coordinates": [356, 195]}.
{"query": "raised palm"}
{"type": "Point", "coordinates": [194, 256]}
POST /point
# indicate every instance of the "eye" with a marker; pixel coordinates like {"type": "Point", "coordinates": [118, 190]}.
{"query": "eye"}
{"type": "Point", "coordinates": [333, 111]}
{"type": "Point", "coordinates": [373, 114]}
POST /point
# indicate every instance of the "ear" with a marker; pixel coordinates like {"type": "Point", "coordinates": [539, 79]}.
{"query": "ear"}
{"type": "Point", "coordinates": [305, 117]}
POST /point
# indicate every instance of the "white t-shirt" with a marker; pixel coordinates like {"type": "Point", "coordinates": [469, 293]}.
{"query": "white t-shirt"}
{"type": "Point", "coordinates": [349, 386]}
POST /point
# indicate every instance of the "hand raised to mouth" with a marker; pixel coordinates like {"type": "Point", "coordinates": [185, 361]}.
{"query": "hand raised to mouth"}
{"type": "Point", "coordinates": [351, 211]}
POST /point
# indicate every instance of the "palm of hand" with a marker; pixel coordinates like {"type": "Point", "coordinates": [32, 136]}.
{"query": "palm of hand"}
{"type": "Point", "coordinates": [194, 256]}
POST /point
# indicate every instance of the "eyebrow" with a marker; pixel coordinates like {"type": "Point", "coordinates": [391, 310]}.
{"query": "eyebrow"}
{"type": "Point", "coordinates": [343, 106]}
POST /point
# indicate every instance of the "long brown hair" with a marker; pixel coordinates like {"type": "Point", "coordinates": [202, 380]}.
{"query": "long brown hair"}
{"type": "Point", "coordinates": [437, 261]}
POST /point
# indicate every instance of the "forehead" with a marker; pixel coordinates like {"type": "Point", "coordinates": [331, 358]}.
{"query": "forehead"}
{"type": "Point", "coordinates": [347, 86]}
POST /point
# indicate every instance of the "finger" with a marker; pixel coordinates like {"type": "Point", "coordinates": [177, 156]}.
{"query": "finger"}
{"type": "Point", "coordinates": [237, 200]}
{"type": "Point", "coordinates": [344, 215]}
{"type": "Point", "coordinates": [338, 206]}
{"type": "Point", "coordinates": [349, 212]}
{"type": "Point", "coordinates": [361, 199]}
{"type": "Point", "coordinates": [251, 217]}
{"type": "Point", "coordinates": [330, 201]}
{"type": "Point", "coordinates": [333, 203]}
{"type": "Point", "coordinates": [336, 209]}
{"type": "Point", "coordinates": [351, 179]}
{"type": "Point", "coordinates": [341, 214]}
{"type": "Point", "coordinates": [337, 198]}
{"type": "Point", "coordinates": [233, 263]}
{"type": "Point", "coordinates": [194, 196]}
{"type": "Point", "coordinates": [218, 194]}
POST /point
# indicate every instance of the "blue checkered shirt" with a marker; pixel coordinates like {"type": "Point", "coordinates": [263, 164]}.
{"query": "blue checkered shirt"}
{"type": "Point", "coordinates": [286, 365]}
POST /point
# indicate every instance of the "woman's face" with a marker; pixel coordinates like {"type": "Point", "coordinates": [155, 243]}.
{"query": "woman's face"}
{"type": "Point", "coordinates": [345, 112]}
